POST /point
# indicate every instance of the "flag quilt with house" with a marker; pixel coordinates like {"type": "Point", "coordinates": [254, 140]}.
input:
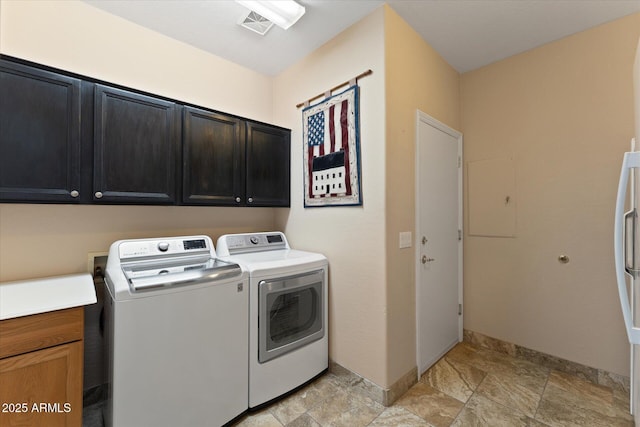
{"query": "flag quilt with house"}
{"type": "Point", "coordinates": [331, 154]}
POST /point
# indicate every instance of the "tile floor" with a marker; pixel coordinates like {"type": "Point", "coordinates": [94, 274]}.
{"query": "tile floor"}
{"type": "Point", "coordinates": [468, 387]}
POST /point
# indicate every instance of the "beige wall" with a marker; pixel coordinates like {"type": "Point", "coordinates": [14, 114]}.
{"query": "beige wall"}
{"type": "Point", "coordinates": [42, 240]}
{"type": "Point", "coordinates": [564, 113]}
{"type": "Point", "coordinates": [74, 36]}
{"type": "Point", "coordinates": [417, 78]}
{"type": "Point", "coordinates": [372, 293]}
{"type": "Point", "coordinates": [352, 238]}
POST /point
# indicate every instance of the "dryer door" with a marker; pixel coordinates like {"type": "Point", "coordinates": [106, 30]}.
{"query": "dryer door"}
{"type": "Point", "coordinates": [291, 313]}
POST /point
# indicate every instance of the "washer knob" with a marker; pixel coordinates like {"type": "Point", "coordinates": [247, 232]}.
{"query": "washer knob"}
{"type": "Point", "coordinates": [163, 246]}
{"type": "Point", "coordinates": [254, 240]}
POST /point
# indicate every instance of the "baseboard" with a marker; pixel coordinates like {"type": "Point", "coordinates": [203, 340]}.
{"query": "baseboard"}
{"type": "Point", "coordinates": [372, 390]}
{"type": "Point", "coordinates": [593, 375]}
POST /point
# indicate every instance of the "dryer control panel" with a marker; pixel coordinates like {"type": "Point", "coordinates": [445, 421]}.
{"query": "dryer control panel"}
{"type": "Point", "coordinates": [231, 244]}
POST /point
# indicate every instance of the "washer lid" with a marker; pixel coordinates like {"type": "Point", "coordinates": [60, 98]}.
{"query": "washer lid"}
{"type": "Point", "coordinates": [151, 275]}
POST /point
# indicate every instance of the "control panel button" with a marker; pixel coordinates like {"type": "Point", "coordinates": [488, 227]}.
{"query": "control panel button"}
{"type": "Point", "coordinates": [163, 246]}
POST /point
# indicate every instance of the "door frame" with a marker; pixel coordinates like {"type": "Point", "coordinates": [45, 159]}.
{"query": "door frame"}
{"type": "Point", "coordinates": [423, 118]}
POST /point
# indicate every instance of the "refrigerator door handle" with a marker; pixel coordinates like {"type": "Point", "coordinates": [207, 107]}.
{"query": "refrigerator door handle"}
{"type": "Point", "coordinates": [631, 160]}
{"type": "Point", "coordinates": [630, 230]}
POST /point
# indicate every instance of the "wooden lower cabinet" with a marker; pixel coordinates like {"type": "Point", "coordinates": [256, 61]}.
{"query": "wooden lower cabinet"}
{"type": "Point", "coordinates": [42, 387]}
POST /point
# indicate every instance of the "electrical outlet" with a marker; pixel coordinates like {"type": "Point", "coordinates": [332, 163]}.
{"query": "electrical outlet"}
{"type": "Point", "coordinates": [97, 263]}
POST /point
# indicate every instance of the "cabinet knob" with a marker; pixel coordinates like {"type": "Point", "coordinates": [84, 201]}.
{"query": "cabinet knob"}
{"type": "Point", "coordinates": [250, 200]}
{"type": "Point", "coordinates": [238, 199]}
{"type": "Point", "coordinates": [74, 193]}
{"type": "Point", "coordinates": [98, 195]}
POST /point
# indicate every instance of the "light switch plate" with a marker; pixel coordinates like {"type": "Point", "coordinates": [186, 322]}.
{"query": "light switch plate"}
{"type": "Point", "coordinates": [405, 239]}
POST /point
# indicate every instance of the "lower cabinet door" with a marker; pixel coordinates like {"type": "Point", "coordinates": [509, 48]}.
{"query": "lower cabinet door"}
{"type": "Point", "coordinates": [42, 388]}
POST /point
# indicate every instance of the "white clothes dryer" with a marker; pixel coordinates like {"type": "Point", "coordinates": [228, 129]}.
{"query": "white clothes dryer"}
{"type": "Point", "coordinates": [288, 295]}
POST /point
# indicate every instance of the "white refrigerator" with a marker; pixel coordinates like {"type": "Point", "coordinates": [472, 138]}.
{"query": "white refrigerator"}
{"type": "Point", "coordinates": [627, 245]}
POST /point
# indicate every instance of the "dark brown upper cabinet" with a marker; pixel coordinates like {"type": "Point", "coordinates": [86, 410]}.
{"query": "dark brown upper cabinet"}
{"type": "Point", "coordinates": [231, 162]}
{"type": "Point", "coordinates": [213, 151]}
{"type": "Point", "coordinates": [39, 135]}
{"type": "Point", "coordinates": [268, 165]}
{"type": "Point", "coordinates": [69, 139]}
{"type": "Point", "coordinates": [136, 148]}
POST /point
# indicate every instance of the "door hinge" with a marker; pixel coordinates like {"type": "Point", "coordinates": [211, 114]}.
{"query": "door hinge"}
{"type": "Point", "coordinates": [459, 234]}
{"type": "Point", "coordinates": [459, 309]}
{"type": "Point", "coordinates": [459, 161]}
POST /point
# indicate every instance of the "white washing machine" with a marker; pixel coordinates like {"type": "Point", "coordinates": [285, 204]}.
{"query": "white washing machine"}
{"type": "Point", "coordinates": [176, 320]}
{"type": "Point", "coordinates": [288, 333]}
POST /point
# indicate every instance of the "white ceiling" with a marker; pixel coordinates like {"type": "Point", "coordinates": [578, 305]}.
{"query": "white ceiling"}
{"type": "Point", "coordinates": [467, 33]}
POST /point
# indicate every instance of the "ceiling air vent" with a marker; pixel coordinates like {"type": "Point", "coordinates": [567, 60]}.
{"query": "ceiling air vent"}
{"type": "Point", "coordinates": [256, 23]}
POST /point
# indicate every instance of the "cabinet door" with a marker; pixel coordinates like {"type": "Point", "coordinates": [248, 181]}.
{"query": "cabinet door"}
{"type": "Point", "coordinates": [213, 158]}
{"type": "Point", "coordinates": [42, 388]}
{"type": "Point", "coordinates": [268, 164]}
{"type": "Point", "coordinates": [39, 135]}
{"type": "Point", "coordinates": [136, 144]}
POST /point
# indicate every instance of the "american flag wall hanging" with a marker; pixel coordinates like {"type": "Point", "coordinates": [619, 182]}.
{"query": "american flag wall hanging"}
{"type": "Point", "coordinates": [331, 138]}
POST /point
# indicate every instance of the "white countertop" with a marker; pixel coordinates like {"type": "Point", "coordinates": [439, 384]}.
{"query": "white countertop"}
{"type": "Point", "coordinates": [26, 297]}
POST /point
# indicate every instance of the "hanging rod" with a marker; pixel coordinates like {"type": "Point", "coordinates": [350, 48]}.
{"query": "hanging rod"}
{"type": "Point", "coordinates": [366, 73]}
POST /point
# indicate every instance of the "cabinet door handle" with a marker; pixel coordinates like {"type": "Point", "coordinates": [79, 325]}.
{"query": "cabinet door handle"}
{"type": "Point", "coordinates": [238, 199]}
{"type": "Point", "coordinates": [74, 193]}
{"type": "Point", "coordinates": [98, 195]}
{"type": "Point", "coordinates": [250, 200]}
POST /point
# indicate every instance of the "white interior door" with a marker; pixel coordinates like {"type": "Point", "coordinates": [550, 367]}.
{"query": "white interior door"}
{"type": "Point", "coordinates": [438, 240]}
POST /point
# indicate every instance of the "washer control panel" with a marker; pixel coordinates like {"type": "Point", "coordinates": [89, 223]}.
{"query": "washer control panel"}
{"type": "Point", "coordinates": [251, 242]}
{"type": "Point", "coordinates": [165, 246]}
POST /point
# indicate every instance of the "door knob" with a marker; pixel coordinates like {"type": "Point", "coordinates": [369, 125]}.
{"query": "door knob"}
{"type": "Point", "coordinates": [426, 260]}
